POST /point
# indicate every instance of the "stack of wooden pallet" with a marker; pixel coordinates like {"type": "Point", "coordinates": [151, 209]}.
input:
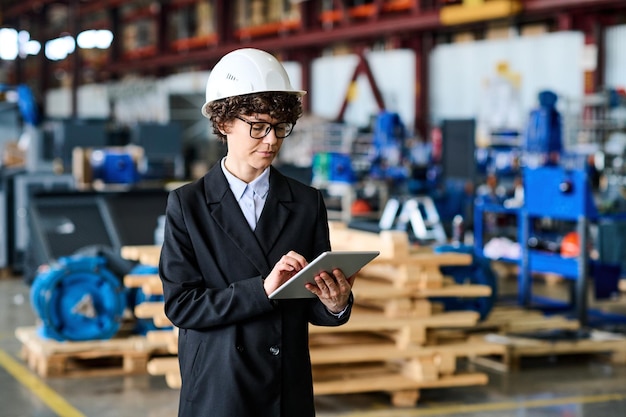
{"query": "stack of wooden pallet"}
{"type": "Point", "coordinates": [385, 345]}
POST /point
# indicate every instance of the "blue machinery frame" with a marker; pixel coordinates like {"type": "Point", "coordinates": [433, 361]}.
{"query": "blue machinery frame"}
{"type": "Point", "coordinates": [556, 193]}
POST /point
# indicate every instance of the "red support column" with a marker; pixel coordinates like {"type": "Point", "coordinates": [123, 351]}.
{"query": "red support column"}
{"type": "Point", "coordinates": [422, 45]}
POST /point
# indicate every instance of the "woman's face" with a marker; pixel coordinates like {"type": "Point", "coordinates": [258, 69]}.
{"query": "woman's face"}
{"type": "Point", "coordinates": [247, 157]}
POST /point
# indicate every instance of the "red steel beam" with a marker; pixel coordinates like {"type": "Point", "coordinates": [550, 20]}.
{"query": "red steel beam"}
{"type": "Point", "coordinates": [532, 6]}
{"type": "Point", "coordinates": [25, 7]}
{"type": "Point", "coordinates": [315, 38]}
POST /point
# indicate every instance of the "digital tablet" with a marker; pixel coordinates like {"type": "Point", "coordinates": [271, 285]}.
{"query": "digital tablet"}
{"type": "Point", "coordinates": [348, 261]}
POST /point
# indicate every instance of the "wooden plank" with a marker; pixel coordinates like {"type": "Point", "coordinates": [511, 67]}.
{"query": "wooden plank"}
{"type": "Point", "coordinates": [350, 353]}
{"type": "Point", "coordinates": [163, 366]}
{"type": "Point", "coordinates": [167, 366]}
{"type": "Point", "coordinates": [393, 382]}
{"type": "Point", "coordinates": [138, 280]}
{"type": "Point", "coordinates": [167, 338]}
{"type": "Point", "coordinates": [150, 309]}
{"type": "Point", "coordinates": [150, 284]}
{"type": "Point", "coordinates": [375, 289]}
{"type": "Point", "coordinates": [374, 321]}
{"type": "Point", "coordinates": [145, 254]}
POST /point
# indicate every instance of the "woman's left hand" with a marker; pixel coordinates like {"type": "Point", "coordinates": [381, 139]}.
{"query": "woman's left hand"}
{"type": "Point", "coordinates": [332, 290]}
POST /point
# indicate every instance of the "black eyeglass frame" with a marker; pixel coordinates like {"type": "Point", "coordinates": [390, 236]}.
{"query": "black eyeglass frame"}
{"type": "Point", "coordinates": [271, 126]}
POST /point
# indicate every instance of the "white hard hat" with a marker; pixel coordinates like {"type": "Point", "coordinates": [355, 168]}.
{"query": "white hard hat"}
{"type": "Point", "coordinates": [246, 71]}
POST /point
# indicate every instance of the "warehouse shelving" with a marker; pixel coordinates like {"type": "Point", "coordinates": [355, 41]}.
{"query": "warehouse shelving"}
{"type": "Point", "coordinates": [301, 31]}
{"type": "Point", "coordinates": [368, 20]}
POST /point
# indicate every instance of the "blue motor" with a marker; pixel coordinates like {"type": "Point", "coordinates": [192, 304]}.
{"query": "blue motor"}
{"type": "Point", "coordinates": [113, 167]}
{"type": "Point", "coordinates": [78, 299]}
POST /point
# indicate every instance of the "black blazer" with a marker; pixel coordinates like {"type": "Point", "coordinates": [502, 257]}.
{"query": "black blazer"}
{"type": "Point", "coordinates": [240, 353]}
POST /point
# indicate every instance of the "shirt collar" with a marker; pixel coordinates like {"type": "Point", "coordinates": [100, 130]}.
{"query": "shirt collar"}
{"type": "Point", "coordinates": [260, 184]}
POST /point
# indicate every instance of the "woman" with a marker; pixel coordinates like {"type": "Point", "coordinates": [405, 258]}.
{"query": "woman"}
{"type": "Point", "coordinates": [232, 238]}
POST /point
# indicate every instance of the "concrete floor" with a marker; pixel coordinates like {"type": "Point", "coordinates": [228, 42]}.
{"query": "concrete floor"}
{"type": "Point", "coordinates": [564, 386]}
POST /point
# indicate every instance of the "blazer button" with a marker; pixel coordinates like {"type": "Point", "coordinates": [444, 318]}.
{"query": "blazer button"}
{"type": "Point", "coordinates": [275, 350]}
{"type": "Point", "coordinates": [239, 348]}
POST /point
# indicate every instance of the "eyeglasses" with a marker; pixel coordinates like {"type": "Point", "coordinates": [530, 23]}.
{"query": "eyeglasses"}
{"type": "Point", "coordinates": [258, 130]}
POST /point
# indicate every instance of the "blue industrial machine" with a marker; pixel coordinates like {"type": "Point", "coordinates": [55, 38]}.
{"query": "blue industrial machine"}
{"type": "Point", "coordinates": [82, 296]}
{"type": "Point", "coordinates": [564, 196]}
{"type": "Point", "coordinates": [389, 158]}
{"type": "Point", "coordinates": [25, 102]}
{"type": "Point", "coordinates": [78, 298]}
{"type": "Point", "coordinates": [114, 166]}
{"type": "Point", "coordinates": [552, 225]}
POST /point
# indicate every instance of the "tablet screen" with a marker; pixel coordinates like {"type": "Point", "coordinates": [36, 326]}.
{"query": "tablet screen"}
{"type": "Point", "coordinates": [348, 261]}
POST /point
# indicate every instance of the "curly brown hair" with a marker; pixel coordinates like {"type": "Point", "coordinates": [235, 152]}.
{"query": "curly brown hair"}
{"type": "Point", "coordinates": [284, 107]}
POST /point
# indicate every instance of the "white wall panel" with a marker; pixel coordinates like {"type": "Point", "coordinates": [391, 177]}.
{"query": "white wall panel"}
{"type": "Point", "coordinates": [92, 102]}
{"type": "Point", "coordinates": [187, 82]}
{"type": "Point", "coordinates": [393, 72]}
{"type": "Point", "coordinates": [615, 70]}
{"type": "Point", "coordinates": [58, 103]}
{"type": "Point", "coordinates": [458, 72]}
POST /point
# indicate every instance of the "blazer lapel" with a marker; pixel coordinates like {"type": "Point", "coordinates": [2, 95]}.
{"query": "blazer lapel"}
{"type": "Point", "coordinates": [227, 214]}
{"type": "Point", "coordinates": [275, 212]}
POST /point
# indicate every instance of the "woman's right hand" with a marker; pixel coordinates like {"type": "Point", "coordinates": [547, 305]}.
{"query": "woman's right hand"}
{"type": "Point", "coordinates": [288, 265]}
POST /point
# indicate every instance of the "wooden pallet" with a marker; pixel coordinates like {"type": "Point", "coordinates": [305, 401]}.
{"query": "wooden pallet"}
{"type": "Point", "coordinates": [117, 356]}
{"type": "Point", "coordinates": [516, 348]}
{"type": "Point", "coordinates": [384, 377]}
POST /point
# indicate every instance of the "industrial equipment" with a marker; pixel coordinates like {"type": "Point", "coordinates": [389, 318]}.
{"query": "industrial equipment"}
{"type": "Point", "coordinates": [560, 218]}
{"type": "Point", "coordinates": [564, 197]}
{"type": "Point", "coordinates": [78, 298]}
{"type": "Point", "coordinates": [83, 297]}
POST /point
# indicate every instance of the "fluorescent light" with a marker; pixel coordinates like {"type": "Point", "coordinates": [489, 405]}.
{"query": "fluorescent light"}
{"type": "Point", "coordinates": [8, 40]}
{"type": "Point", "coordinates": [90, 39]}
{"type": "Point", "coordinates": [59, 48]}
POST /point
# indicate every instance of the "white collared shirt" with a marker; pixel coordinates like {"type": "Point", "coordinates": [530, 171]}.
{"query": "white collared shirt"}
{"type": "Point", "coordinates": [251, 197]}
